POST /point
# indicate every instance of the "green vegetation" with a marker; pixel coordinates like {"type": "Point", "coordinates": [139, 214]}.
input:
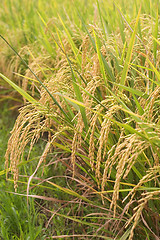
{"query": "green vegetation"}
{"type": "Point", "coordinates": [85, 147]}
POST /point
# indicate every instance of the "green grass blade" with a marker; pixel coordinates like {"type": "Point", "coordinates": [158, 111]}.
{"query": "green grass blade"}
{"type": "Point", "coordinates": [139, 23]}
{"type": "Point", "coordinates": [155, 35]}
{"type": "Point", "coordinates": [140, 109]}
{"type": "Point", "coordinates": [154, 69]}
{"type": "Point", "coordinates": [84, 223]}
{"type": "Point", "coordinates": [133, 91]}
{"type": "Point", "coordinates": [70, 192]}
{"type": "Point", "coordinates": [156, 40]}
{"type": "Point", "coordinates": [73, 46]}
{"type": "Point", "coordinates": [126, 234]}
{"type": "Point", "coordinates": [122, 27]}
{"type": "Point", "coordinates": [143, 75]}
{"type": "Point", "coordinates": [107, 68]}
{"type": "Point", "coordinates": [129, 53]}
{"type": "Point", "coordinates": [20, 90]}
{"type": "Point", "coordinates": [101, 62]}
{"type": "Point", "coordinates": [123, 53]}
{"type": "Point", "coordinates": [101, 20]}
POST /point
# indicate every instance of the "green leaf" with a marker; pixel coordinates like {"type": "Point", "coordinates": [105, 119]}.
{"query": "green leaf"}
{"type": "Point", "coordinates": [155, 35]}
{"type": "Point", "coordinates": [154, 69]}
{"type": "Point", "coordinates": [132, 90]}
{"type": "Point", "coordinates": [126, 234]}
{"type": "Point", "coordinates": [106, 66]}
{"type": "Point", "coordinates": [101, 62]}
{"type": "Point", "coordinates": [73, 46]}
{"type": "Point", "coordinates": [140, 109]}
{"type": "Point", "coordinates": [129, 54]}
{"type": "Point", "coordinates": [18, 89]}
{"type": "Point", "coordinates": [70, 192]}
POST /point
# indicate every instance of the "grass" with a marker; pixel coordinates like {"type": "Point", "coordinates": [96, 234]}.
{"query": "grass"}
{"type": "Point", "coordinates": [91, 79]}
{"type": "Point", "coordinates": [16, 221]}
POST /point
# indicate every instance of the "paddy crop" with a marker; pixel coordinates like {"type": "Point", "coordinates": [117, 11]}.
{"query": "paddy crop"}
{"type": "Point", "coordinates": [88, 73]}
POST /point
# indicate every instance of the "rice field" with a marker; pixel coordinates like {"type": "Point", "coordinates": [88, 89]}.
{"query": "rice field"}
{"type": "Point", "coordinates": [81, 82]}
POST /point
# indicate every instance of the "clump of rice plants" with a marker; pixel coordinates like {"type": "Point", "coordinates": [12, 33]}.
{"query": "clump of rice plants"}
{"type": "Point", "coordinates": [99, 112]}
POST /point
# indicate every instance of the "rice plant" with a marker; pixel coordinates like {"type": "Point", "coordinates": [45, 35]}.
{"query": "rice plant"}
{"type": "Point", "coordinates": [95, 101]}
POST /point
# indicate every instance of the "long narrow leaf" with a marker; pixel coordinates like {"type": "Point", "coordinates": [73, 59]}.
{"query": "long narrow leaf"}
{"type": "Point", "coordinates": [129, 53]}
{"type": "Point", "coordinates": [18, 89]}
{"type": "Point", "coordinates": [73, 46]}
